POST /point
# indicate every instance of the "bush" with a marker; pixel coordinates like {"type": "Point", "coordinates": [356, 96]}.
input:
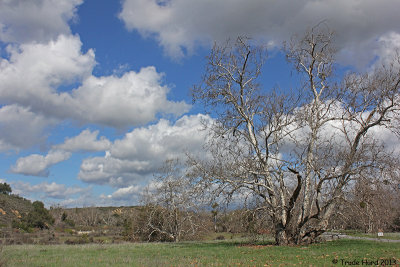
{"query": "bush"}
{"type": "Point", "coordinates": [38, 218]}
{"type": "Point", "coordinates": [5, 188]}
{"type": "Point", "coordinates": [23, 225]}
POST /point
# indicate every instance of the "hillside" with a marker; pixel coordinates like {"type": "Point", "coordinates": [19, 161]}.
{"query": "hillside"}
{"type": "Point", "coordinates": [12, 207]}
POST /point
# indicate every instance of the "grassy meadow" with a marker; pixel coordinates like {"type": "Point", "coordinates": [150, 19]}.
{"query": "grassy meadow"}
{"type": "Point", "coordinates": [216, 253]}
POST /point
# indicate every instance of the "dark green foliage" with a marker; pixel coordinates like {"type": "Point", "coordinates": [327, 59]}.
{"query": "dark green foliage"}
{"type": "Point", "coordinates": [22, 225]}
{"type": "Point", "coordinates": [64, 216]}
{"type": "Point", "coordinates": [39, 217]}
{"type": "Point", "coordinates": [5, 188]}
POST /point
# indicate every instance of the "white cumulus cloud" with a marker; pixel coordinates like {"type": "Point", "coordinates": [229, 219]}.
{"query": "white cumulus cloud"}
{"type": "Point", "coordinates": [20, 128]}
{"type": "Point", "coordinates": [142, 151]}
{"type": "Point", "coordinates": [126, 193]}
{"type": "Point", "coordinates": [180, 25]}
{"type": "Point", "coordinates": [49, 190]}
{"type": "Point", "coordinates": [35, 20]}
{"type": "Point", "coordinates": [33, 72]}
{"type": "Point", "coordinates": [133, 99]}
{"type": "Point", "coordinates": [85, 141]}
{"type": "Point", "coordinates": [37, 165]}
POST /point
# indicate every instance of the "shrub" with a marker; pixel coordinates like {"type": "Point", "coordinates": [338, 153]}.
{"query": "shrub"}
{"type": "Point", "coordinates": [5, 188]}
{"type": "Point", "coordinates": [23, 225]}
{"type": "Point", "coordinates": [38, 218]}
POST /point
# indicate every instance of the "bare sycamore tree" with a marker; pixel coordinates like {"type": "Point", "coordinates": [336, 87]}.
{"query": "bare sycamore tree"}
{"type": "Point", "coordinates": [170, 205]}
{"type": "Point", "coordinates": [296, 153]}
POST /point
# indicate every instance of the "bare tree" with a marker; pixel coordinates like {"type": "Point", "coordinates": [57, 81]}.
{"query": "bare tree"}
{"type": "Point", "coordinates": [370, 206]}
{"type": "Point", "coordinates": [299, 152]}
{"type": "Point", "coordinates": [170, 205]}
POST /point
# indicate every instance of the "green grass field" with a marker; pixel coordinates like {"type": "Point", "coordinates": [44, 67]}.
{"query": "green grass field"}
{"type": "Point", "coordinates": [223, 253]}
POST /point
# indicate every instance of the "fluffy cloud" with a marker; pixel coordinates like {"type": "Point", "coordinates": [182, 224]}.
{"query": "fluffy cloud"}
{"type": "Point", "coordinates": [124, 196]}
{"type": "Point", "coordinates": [48, 190]}
{"type": "Point", "coordinates": [135, 98]}
{"type": "Point", "coordinates": [389, 47]}
{"type": "Point", "coordinates": [20, 128]}
{"type": "Point", "coordinates": [35, 20]}
{"type": "Point", "coordinates": [162, 140]}
{"type": "Point", "coordinates": [179, 25]}
{"type": "Point", "coordinates": [126, 193]}
{"type": "Point", "coordinates": [85, 141]}
{"type": "Point", "coordinates": [34, 71]}
{"type": "Point", "coordinates": [38, 165]}
{"type": "Point", "coordinates": [142, 151]}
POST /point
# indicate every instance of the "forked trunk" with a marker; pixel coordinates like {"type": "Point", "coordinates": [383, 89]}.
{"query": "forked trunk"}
{"type": "Point", "coordinates": [282, 238]}
{"type": "Point", "coordinates": [285, 236]}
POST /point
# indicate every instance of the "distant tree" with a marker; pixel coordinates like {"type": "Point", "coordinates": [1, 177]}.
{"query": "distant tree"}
{"type": "Point", "coordinates": [5, 188]}
{"type": "Point", "coordinates": [40, 216]}
{"type": "Point", "coordinates": [369, 207]}
{"type": "Point", "coordinates": [169, 206]}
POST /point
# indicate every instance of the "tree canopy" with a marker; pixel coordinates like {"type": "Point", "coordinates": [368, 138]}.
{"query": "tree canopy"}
{"type": "Point", "coordinates": [5, 188]}
{"type": "Point", "coordinates": [296, 153]}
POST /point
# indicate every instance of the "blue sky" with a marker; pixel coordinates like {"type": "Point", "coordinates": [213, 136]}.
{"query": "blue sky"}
{"type": "Point", "coordinates": [95, 94]}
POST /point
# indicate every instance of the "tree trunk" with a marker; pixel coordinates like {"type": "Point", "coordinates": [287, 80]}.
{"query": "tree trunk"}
{"type": "Point", "coordinates": [295, 236]}
{"type": "Point", "coordinates": [281, 239]}
{"type": "Point", "coordinates": [281, 236]}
